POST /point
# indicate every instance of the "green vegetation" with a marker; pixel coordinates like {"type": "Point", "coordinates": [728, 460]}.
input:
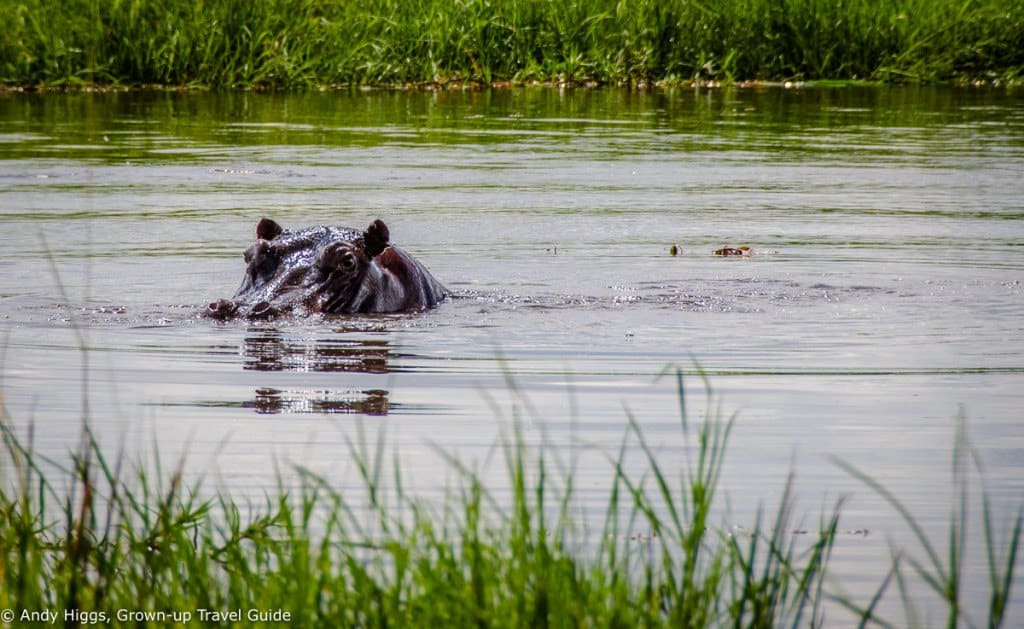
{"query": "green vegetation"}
{"type": "Point", "coordinates": [105, 536]}
{"type": "Point", "coordinates": [317, 43]}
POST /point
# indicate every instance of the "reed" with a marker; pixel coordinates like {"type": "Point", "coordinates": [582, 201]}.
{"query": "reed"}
{"type": "Point", "coordinates": [103, 536]}
{"type": "Point", "coordinates": [318, 43]}
{"type": "Point", "coordinates": [944, 577]}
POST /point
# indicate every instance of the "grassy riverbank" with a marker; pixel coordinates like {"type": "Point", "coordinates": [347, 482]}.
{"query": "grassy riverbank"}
{"type": "Point", "coordinates": [105, 540]}
{"type": "Point", "coordinates": [315, 43]}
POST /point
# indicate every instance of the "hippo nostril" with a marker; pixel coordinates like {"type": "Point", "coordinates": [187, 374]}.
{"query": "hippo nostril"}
{"type": "Point", "coordinates": [221, 309]}
{"type": "Point", "coordinates": [263, 310]}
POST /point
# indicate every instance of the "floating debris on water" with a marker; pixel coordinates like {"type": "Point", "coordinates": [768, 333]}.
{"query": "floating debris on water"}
{"type": "Point", "coordinates": [739, 530]}
{"type": "Point", "coordinates": [734, 251]}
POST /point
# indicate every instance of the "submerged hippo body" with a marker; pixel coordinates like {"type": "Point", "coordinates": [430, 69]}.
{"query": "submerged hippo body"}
{"type": "Point", "coordinates": [329, 270]}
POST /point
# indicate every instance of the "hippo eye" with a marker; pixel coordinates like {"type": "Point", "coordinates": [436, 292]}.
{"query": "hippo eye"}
{"type": "Point", "coordinates": [338, 257]}
{"type": "Point", "coordinates": [267, 258]}
{"type": "Point", "coordinates": [259, 252]}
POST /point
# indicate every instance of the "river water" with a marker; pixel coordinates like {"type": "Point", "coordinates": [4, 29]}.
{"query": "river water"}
{"type": "Point", "coordinates": [884, 297]}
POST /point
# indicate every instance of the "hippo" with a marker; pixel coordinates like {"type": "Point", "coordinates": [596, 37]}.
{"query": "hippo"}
{"type": "Point", "coordinates": [328, 270]}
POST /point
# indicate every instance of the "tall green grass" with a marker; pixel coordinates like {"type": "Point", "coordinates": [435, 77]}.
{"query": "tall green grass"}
{"type": "Point", "coordinates": [309, 43]}
{"type": "Point", "coordinates": [105, 534]}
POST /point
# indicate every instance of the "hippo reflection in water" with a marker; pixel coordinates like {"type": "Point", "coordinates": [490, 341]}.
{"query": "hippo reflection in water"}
{"type": "Point", "coordinates": [329, 270]}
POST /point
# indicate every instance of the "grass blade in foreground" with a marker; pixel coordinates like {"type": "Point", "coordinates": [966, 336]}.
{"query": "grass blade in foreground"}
{"type": "Point", "coordinates": [125, 538]}
{"type": "Point", "coordinates": [946, 580]}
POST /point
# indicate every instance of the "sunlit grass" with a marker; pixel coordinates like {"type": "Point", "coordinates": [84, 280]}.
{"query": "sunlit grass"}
{"type": "Point", "coordinates": [104, 534]}
{"type": "Point", "coordinates": [309, 43]}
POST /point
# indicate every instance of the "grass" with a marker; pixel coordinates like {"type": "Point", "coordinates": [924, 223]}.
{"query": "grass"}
{"type": "Point", "coordinates": [316, 43]}
{"type": "Point", "coordinates": [944, 578]}
{"type": "Point", "coordinates": [106, 536]}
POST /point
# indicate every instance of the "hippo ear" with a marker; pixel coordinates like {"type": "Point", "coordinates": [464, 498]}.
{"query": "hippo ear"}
{"type": "Point", "coordinates": [375, 238]}
{"type": "Point", "coordinates": [268, 229]}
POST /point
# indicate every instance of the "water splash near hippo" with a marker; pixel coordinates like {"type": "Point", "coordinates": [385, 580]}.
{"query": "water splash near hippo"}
{"type": "Point", "coordinates": [328, 270]}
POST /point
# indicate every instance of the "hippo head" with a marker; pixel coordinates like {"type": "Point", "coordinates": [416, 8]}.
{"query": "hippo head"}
{"type": "Point", "coordinates": [329, 270]}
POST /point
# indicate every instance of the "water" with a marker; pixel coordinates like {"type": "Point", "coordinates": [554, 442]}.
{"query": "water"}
{"type": "Point", "coordinates": [884, 296]}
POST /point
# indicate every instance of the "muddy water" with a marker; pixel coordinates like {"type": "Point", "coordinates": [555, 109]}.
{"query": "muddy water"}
{"type": "Point", "coordinates": [883, 298]}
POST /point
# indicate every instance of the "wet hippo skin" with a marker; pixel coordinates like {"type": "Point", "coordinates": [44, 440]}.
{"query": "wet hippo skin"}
{"type": "Point", "coordinates": [328, 270]}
